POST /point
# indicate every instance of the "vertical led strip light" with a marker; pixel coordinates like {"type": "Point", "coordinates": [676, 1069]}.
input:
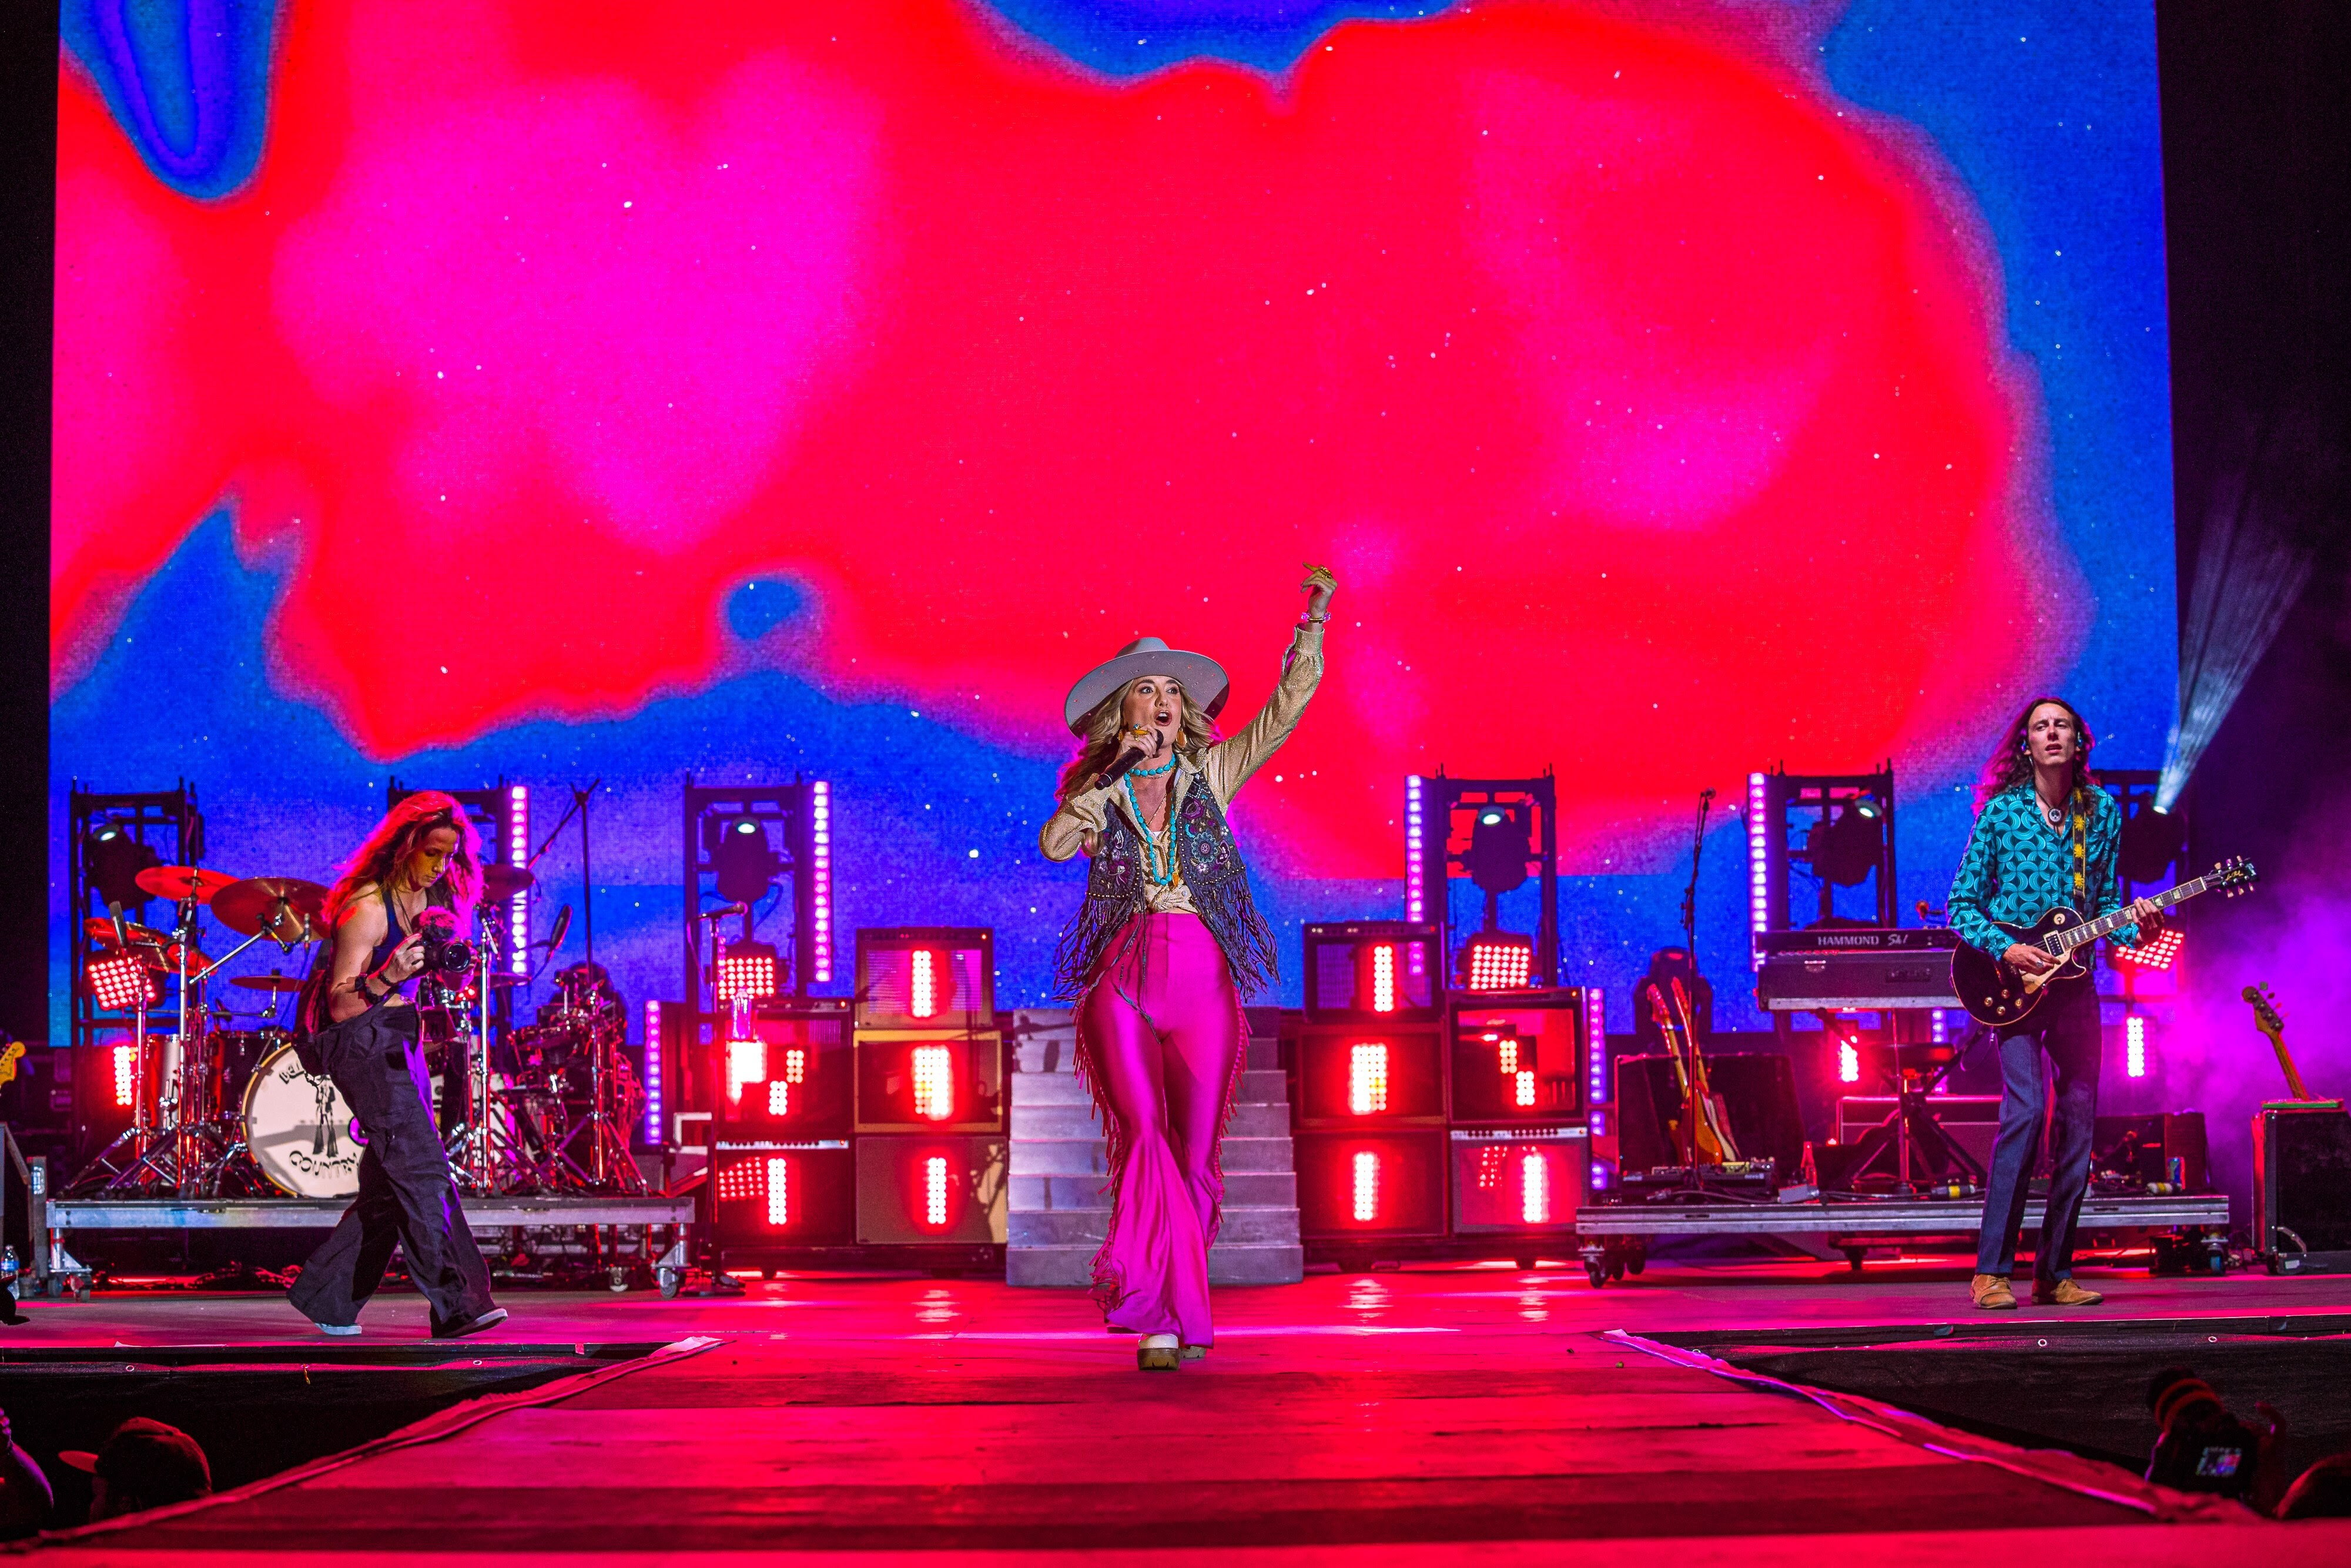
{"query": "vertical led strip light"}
{"type": "Point", "coordinates": [1367, 1186]}
{"type": "Point", "coordinates": [1367, 1079]}
{"type": "Point", "coordinates": [1759, 878]}
{"type": "Point", "coordinates": [518, 852]}
{"type": "Point", "coordinates": [1415, 907]}
{"type": "Point", "coordinates": [1534, 1189]}
{"type": "Point", "coordinates": [1595, 1042]}
{"type": "Point", "coordinates": [820, 875]}
{"type": "Point", "coordinates": [2134, 1046]}
{"type": "Point", "coordinates": [126, 1075]}
{"type": "Point", "coordinates": [779, 1203]}
{"type": "Point", "coordinates": [934, 1191]}
{"type": "Point", "coordinates": [1383, 979]}
{"type": "Point", "coordinates": [652, 1073]}
{"type": "Point", "coordinates": [922, 984]}
{"type": "Point", "coordinates": [933, 1082]}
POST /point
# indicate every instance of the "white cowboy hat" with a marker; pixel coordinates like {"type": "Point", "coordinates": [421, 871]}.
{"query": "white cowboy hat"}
{"type": "Point", "coordinates": [1205, 682]}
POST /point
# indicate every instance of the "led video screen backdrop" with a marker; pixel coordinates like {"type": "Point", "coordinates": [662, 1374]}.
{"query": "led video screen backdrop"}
{"type": "Point", "coordinates": [559, 391]}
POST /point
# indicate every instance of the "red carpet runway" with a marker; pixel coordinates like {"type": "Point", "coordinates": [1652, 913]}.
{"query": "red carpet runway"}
{"type": "Point", "coordinates": [1479, 1415]}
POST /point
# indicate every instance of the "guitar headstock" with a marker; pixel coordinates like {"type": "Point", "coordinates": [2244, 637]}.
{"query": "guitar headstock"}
{"type": "Point", "coordinates": [2266, 1017]}
{"type": "Point", "coordinates": [1657, 1007]}
{"type": "Point", "coordinates": [2233, 876]}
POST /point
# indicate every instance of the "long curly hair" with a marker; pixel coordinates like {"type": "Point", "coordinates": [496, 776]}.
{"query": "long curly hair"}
{"type": "Point", "coordinates": [1098, 746]}
{"type": "Point", "coordinates": [403, 828]}
{"type": "Point", "coordinates": [2010, 763]}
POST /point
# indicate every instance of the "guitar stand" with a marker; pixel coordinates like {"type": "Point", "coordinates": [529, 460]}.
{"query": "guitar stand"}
{"type": "Point", "coordinates": [1913, 1136]}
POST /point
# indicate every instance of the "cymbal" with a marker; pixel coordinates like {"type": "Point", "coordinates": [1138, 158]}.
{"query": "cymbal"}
{"type": "Point", "coordinates": [268, 982]}
{"type": "Point", "coordinates": [285, 907]}
{"type": "Point", "coordinates": [149, 945]}
{"type": "Point", "coordinates": [500, 883]}
{"type": "Point", "coordinates": [177, 883]}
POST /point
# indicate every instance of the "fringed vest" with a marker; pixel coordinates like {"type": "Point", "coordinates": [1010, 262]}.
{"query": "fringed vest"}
{"type": "Point", "coordinates": [1218, 883]}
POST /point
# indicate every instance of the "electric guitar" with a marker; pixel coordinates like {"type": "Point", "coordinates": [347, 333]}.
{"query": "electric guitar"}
{"type": "Point", "coordinates": [15, 1052]}
{"type": "Point", "coordinates": [1708, 1121]}
{"type": "Point", "coordinates": [2267, 1020]}
{"type": "Point", "coordinates": [1997, 993]}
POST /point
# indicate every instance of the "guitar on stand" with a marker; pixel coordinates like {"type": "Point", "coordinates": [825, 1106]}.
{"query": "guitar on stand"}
{"type": "Point", "coordinates": [2271, 1022]}
{"type": "Point", "coordinates": [1702, 1131]}
{"type": "Point", "coordinates": [1995, 992]}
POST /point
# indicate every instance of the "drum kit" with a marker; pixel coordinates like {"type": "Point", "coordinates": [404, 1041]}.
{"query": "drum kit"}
{"type": "Point", "coordinates": [218, 1110]}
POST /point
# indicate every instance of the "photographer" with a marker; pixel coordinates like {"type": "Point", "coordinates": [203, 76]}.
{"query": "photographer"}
{"type": "Point", "coordinates": [422, 865]}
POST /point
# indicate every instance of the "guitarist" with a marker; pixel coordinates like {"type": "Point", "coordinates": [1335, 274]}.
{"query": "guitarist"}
{"type": "Point", "coordinates": [2045, 835]}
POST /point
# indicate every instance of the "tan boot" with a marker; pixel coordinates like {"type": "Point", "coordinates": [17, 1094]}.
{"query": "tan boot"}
{"type": "Point", "coordinates": [1194, 1352]}
{"type": "Point", "coordinates": [2065, 1293]}
{"type": "Point", "coordinates": [1158, 1352]}
{"type": "Point", "coordinates": [1992, 1293]}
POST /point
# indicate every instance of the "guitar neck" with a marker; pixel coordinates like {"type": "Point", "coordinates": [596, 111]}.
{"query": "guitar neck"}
{"type": "Point", "coordinates": [2090, 931]}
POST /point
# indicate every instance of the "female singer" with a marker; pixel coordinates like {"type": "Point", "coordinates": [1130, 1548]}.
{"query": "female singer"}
{"type": "Point", "coordinates": [1161, 952]}
{"type": "Point", "coordinates": [358, 1028]}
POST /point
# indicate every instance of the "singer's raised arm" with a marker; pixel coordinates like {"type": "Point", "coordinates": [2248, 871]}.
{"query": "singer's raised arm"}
{"type": "Point", "coordinates": [1229, 762]}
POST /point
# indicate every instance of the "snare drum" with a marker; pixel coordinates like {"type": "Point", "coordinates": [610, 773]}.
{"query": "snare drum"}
{"type": "Point", "coordinates": [298, 1130]}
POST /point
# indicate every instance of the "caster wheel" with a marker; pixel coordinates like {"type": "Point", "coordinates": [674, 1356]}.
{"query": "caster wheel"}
{"type": "Point", "coordinates": [1596, 1271]}
{"type": "Point", "coordinates": [1853, 1255]}
{"type": "Point", "coordinates": [1526, 1265]}
{"type": "Point", "coordinates": [617, 1279]}
{"type": "Point", "coordinates": [1617, 1268]}
{"type": "Point", "coordinates": [1636, 1263]}
{"type": "Point", "coordinates": [668, 1281]}
{"type": "Point", "coordinates": [54, 1286]}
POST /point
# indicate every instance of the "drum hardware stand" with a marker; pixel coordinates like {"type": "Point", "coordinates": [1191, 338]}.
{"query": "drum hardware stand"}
{"type": "Point", "coordinates": [483, 1157]}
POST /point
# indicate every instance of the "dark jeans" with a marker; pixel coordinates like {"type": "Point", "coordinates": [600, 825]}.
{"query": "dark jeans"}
{"type": "Point", "coordinates": [2065, 1026]}
{"type": "Point", "coordinates": [405, 1191]}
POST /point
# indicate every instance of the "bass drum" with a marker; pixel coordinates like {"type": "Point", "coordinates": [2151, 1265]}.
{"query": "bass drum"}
{"type": "Point", "coordinates": [299, 1131]}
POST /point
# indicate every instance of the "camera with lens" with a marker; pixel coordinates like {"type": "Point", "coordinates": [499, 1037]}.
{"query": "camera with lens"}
{"type": "Point", "coordinates": [447, 956]}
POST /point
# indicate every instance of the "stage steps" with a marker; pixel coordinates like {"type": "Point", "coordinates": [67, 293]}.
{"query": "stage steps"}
{"type": "Point", "coordinates": [1059, 1205]}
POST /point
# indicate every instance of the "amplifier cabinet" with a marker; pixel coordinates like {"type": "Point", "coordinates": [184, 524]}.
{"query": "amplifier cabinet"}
{"type": "Point", "coordinates": [2302, 1189]}
{"type": "Point", "coordinates": [1758, 1090]}
{"type": "Point", "coordinates": [930, 1081]}
{"type": "Point", "coordinates": [1370, 1076]}
{"type": "Point", "coordinates": [790, 1077]}
{"type": "Point", "coordinates": [1371, 1185]}
{"type": "Point", "coordinates": [1375, 971]}
{"type": "Point", "coordinates": [770, 1193]}
{"type": "Point", "coordinates": [1519, 1058]}
{"type": "Point", "coordinates": [925, 977]}
{"type": "Point", "coordinates": [916, 1189]}
{"type": "Point", "coordinates": [1518, 1181]}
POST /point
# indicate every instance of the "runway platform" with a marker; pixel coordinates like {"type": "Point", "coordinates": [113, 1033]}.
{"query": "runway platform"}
{"type": "Point", "coordinates": [1492, 1414]}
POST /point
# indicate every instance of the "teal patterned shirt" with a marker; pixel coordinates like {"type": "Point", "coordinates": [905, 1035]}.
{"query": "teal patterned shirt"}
{"type": "Point", "coordinates": [2018, 868]}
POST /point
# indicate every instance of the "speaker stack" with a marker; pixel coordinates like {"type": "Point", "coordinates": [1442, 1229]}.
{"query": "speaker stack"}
{"type": "Point", "coordinates": [868, 1129]}
{"type": "Point", "coordinates": [1429, 1125]}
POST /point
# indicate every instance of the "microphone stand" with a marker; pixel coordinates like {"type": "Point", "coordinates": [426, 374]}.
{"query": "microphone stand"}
{"type": "Point", "coordinates": [1689, 893]}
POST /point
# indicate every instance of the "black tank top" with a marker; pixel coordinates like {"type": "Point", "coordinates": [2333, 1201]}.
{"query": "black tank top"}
{"type": "Point", "coordinates": [393, 936]}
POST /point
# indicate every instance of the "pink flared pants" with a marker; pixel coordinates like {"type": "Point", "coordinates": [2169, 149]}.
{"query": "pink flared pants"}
{"type": "Point", "coordinates": [1159, 1038]}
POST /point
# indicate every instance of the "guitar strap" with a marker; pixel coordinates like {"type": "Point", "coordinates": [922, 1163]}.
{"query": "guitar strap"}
{"type": "Point", "coordinates": [2082, 849]}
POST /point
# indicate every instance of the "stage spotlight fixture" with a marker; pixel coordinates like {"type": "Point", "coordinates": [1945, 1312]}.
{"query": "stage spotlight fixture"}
{"type": "Point", "coordinates": [1497, 961]}
{"type": "Point", "coordinates": [1499, 851]}
{"type": "Point", "coordinates": [934, 1070]}
{"type": "Point", "coordinates": [746, 971]}
{"type": "Point", "coordinates": [746, 1063]}
{"type": "Point", "coordinates": [126, 1075]}
{"type": "Point", "coordinates": [1846, 848]}
{"type": "Point", "coordinates": [113, 860]}
{"type": "Point", "coordinates": [2151, 842]}
{"type": "Point", "coordinates": [119, 981]}
{"type": "Point", "coordinates": [2134, 1046]}
{"type": "Point", "coordinates": [746, 864]}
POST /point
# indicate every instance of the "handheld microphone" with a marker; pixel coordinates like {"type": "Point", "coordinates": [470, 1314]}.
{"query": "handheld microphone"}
{"type": "Point", "coordinates": [1118, 770]}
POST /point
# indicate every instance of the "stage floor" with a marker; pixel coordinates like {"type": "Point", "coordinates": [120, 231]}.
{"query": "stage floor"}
{"type": "Point", "coordinates": [1480, 1411]}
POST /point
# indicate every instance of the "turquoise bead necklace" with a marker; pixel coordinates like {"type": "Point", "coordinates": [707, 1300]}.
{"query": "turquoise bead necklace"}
{"type": "Point", "coordinates": [1158, 848]}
